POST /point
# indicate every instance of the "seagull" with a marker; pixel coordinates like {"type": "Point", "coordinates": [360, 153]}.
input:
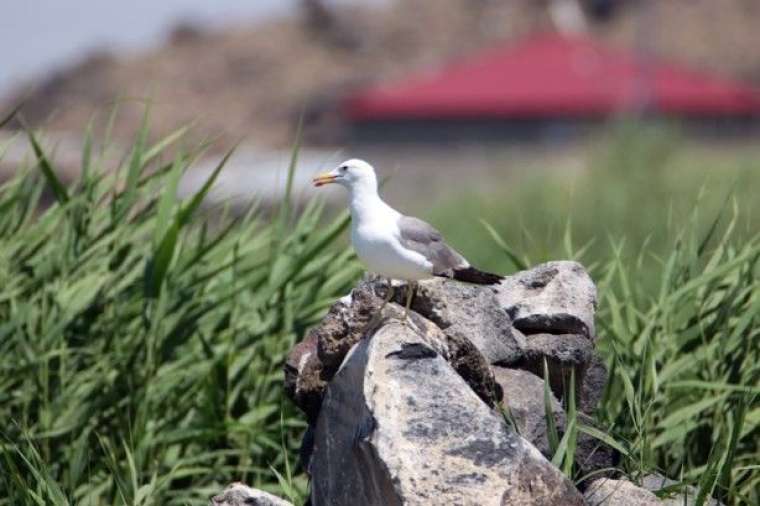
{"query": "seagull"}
{"type": "Point", "coordinates": [393, 245]}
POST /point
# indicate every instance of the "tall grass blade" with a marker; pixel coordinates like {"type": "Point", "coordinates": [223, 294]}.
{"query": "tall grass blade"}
{"type": "Point", "coordinates": [56, 186]}
{"type": "Point", "coordinates": [551, 425]}
{"type": "Point", "coordinates": [519, 264]}
{"type": "Point", "coordinates": [157, 267]}
{"type": "Point", "coordinates": [571, 431]}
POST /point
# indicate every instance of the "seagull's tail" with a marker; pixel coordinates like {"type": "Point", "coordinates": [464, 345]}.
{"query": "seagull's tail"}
{"type": "Point", "coordinates": [472, 275]}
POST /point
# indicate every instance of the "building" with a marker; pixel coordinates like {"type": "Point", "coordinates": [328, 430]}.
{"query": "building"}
{"type": "Point", "coordinates": [547, 87]}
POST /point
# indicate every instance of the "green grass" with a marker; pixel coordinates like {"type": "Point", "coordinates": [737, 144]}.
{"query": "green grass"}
{"type": "Point", "coordinates": [683, 398]}
{"type": "Point", "coordinates": [685, 363]}
{"type": "Point", "coordinates": [672, 242]}
{"type": "Point", "coordinates": [142, 336]}
{"type": "Point", "coordinates": [644, 185]}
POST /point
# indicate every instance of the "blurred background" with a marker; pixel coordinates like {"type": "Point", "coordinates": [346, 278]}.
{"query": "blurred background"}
{"type": "Point", "coordinates": [610, 114]}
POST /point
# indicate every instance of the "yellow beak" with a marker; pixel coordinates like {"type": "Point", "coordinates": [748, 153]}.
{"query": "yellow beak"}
{"type": "Point", "coordinates": [323, 179]}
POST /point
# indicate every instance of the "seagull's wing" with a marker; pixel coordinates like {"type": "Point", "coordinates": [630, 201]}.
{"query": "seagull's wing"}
{"type": "Point", "coordinates": [423, 238]}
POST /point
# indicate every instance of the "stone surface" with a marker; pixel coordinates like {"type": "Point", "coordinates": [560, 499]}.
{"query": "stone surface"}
{"type": "Point", "coordinates": [239, 494]}
{"type": "Point", "coordinates": [554, 298]}
{"type": "Point", "coordinates": [344, 324]}
{"type": "Point", "coordinates": [686, 496]}
{"type": "Point", "coordinates": [609, 492]}
{"type": "Point", "coordinates": [563, 352]}
{"type": "Point", "coordinates": [305, 381]}
{"type": "Point", "coordinates": [307, 448]}
{"type": "Point", "coordinates": [398, 425]}
{"type": "Point", "coordinates": [468, 311]}
{"type": "Point", "coordinates": [592, 455]}
{"type": "Point", "coordinates": [524, 395]}
{"type": "Point", "coordinates": [347, 322]}
{"type": "Point", "coordinates": [468, 362]}
{"type": "Point", "coordinates": [593, 383]}
{"type": "Point", "coordinates": [312, 362]}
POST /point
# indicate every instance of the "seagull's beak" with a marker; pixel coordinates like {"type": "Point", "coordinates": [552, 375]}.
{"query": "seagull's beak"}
{"type": "Point", "coordinates": [323, 179]}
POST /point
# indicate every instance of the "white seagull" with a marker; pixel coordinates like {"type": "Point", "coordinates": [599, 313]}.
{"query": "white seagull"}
{"type": "Point", "coordinates": [393, 245]}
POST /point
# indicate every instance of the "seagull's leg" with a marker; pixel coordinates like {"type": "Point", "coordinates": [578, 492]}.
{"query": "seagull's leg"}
{"type": "Point", "coordinates": [411, 287]}
{"type": "Point", "coordinates": [376, 317]}
{"type": "Point", "coordinates": [388, 296]}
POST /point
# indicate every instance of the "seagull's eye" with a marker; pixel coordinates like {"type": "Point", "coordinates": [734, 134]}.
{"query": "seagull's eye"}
{"type": "Point", "coordinates": [343, 168]}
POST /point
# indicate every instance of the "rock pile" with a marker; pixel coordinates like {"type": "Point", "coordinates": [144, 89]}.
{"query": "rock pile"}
{"type": "Point", "coordinates": [238, 494]}
{"type": "Point", "coordinates": [448, 407]}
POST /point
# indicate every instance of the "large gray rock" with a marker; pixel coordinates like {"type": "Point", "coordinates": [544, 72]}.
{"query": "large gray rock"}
{"type": "Point", "coordinates": [239, 494]}
{"type": "Point", "coordinates": [553, 298]}
{"type": "Point", "coordinates": [467, 311]}
{"type": "Point", "coordinates": [398, 425]}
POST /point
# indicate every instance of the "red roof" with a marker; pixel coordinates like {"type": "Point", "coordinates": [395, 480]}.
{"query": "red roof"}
{"type": "Point", "coordinates": [551, 76]}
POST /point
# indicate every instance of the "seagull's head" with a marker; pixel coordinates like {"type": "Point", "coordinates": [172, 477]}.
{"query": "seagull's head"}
{"type": "Point", "coordinates": [351, 174]}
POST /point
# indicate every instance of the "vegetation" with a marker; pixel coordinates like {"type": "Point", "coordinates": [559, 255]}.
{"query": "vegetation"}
{"type": "Point", "coordinates": [672, 242]}
{"type": "Point", "coordinates": [143, 337]}
{"type": "Point", "coordinates": [143, 341]}
{"type": "Point", "coordinates": [643, 185]}
{"type": "Point", "coordinates": [684, 362]}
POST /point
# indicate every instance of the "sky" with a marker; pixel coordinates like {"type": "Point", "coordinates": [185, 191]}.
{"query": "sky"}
{"type": "Point", "coordinates": [38, 36]}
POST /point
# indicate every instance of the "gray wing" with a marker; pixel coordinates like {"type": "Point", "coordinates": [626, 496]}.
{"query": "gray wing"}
{"type": "Point", "coordinates": [423, 238]}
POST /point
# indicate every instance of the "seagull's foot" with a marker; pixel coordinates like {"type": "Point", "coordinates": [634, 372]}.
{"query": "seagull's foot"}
{"type": "Point", "coordinates": [409, 296]}
{"type": "Point", "coordinates": [407, 320]}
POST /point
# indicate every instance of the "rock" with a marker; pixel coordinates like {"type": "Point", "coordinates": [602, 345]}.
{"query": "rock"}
{"type": "Point", "coordinates": [307, 448]}
{"type": "Point", "coordinates": [399, 426]}
{"type": "Point", "coordinates": [592, 455]}
{"type": "Point", "coordinates": [685, 496]}
{"type": "Point", "coordinates": [313, 361]}
{"type": "Point", "coordinates": [239, 494]}
{"type": "Point", "coordinates": [562, 352]}
{"type": "Point", "coordinates": [524, 395]}
{"type": "Point", "coordinates": [553, 298]}
{"type": "Point", "coordinates": [305, 383]}
{"type": "Point", "coordinates": [593, 384]}
{"type": "Point", "coordinates": [343, 326]}
{"type": "Point", "coordinates": [468, 311]}
{"type": "Point", "coordinates": [609, 492]}
{"type": "Point", "coordinates": [467, 361]}
{"type": "Point", "coordinates": [346, 323]}
{"type": "Point", "coordinates": [654, 482]}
